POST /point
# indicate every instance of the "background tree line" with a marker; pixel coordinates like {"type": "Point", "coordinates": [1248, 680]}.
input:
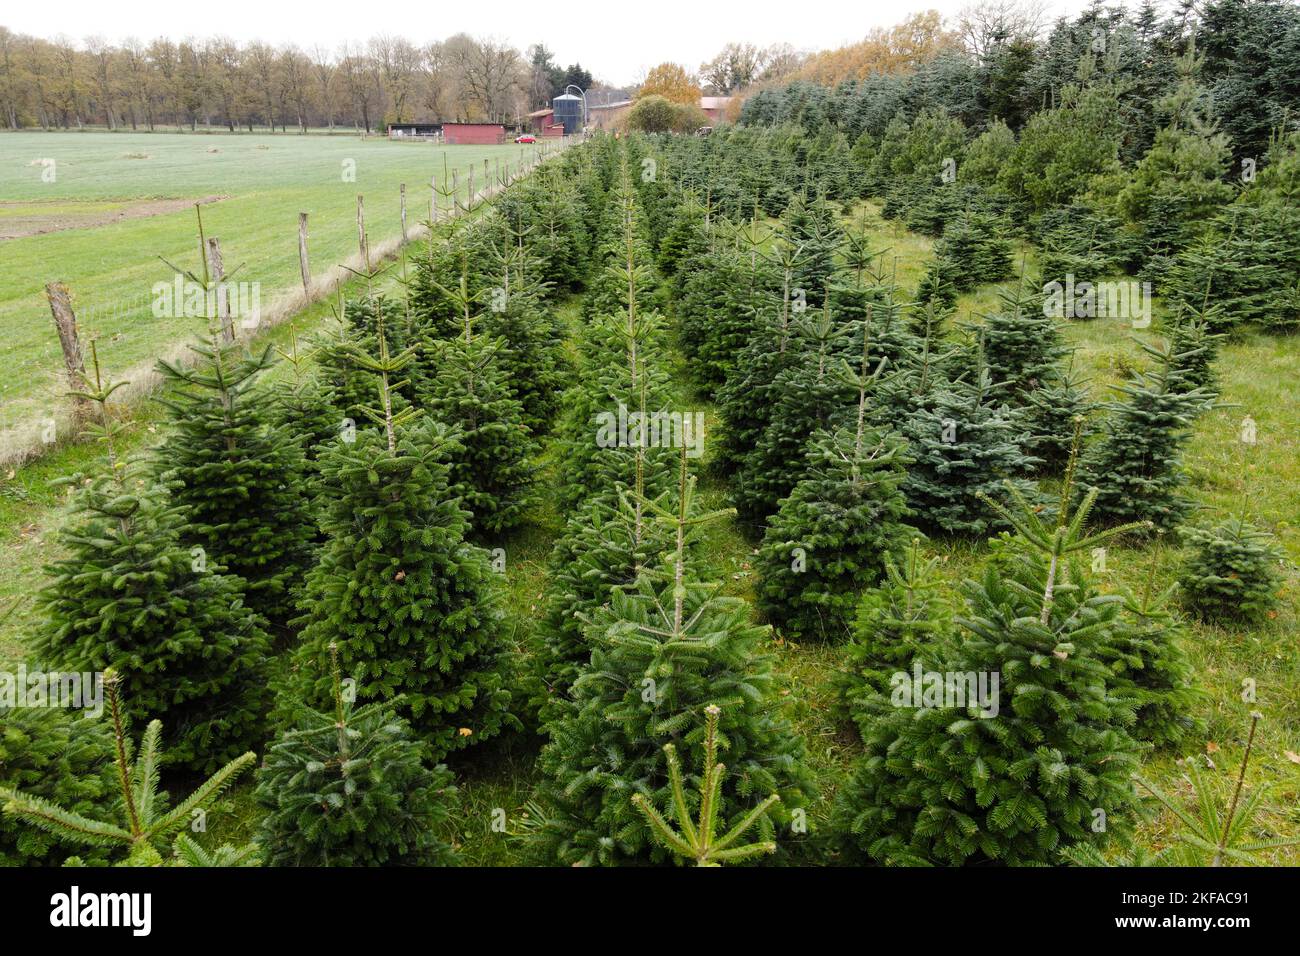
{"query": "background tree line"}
{"type": "Point", "coordinates": [217, 82]}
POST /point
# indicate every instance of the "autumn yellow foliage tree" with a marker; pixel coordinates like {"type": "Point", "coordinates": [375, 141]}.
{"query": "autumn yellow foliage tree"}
{"type": "Point", "coordinates": [897, 49]}
{"type": "Point", "coordinates": [672, 82]}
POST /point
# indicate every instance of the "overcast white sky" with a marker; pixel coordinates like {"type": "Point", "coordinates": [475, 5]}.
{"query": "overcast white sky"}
{"type": "Point", "coordinates": [616, 42]}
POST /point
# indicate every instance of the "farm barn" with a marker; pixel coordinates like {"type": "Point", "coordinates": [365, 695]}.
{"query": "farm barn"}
{"type": "Point", "coordinates": [473, 134]}
{"type": "Point", "coordinates": [413, 130]}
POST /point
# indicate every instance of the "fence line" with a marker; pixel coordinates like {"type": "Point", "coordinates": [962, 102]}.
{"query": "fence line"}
{"type": "Point", "coordinates": [24, 441]}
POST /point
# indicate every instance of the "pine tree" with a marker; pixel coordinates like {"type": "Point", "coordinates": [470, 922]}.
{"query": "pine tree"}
{"type": "Point", "coordinates": [1231, 573]}
{"type": "Point", "coordinates": [148, 823]}
{"type": "Point", "coordinates": [943, 784]}
{"type": "Point", "coordinates": [1050, 413]}
{"type": "Point", "coordinates": [1022, 343]}
{"type": "Point", "coordinates": [963, 445]}
{"type": "Point", "coordinates": [1136, 462]}
{"type": "Point", "coordinates": [239, 478]}
{"type": "Point", "coordinates": [62, 758]}
{"type": "Point", "coordinates": [662, 651]}
{"type": "Point", "coordinates": [352, 787]}
{"type": "Point", "coordinates": [409, 603]}
{"type": "Point", "coordinates": [974, 250]}
{"type": "Point", "coordinates": [832, 535]}
{"type": "Point", "coordinates": [128, 594]}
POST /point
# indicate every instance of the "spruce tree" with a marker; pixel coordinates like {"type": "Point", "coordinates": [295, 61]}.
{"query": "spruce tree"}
{"type": "Point", "coordinates": [963, 445]}
{"type": "Point", "coordinates": [240, 479]}
{"type": "Point", "coordinates": [1232, 572]}
{"type": "Point", "coordinates": [352, 787]}
{"type": "Point", "coordinates": [661, 651]}
{"type": "Point", "coordinates": [1136, 464]}
{"type": "Point", "coordinates": [128, 594]}
{"type": "Point", "coordinates": [409, 603]}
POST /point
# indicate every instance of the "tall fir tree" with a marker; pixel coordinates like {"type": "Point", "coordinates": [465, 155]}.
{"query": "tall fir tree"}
{"type": "Point", "coordinates": [410, 605]}
{"type": "Point", "coordinates": [127, 593]}
{"type": "Point", "coordinates": [240, 478]}
{"type": "Point", "coordinates": [661, 651]}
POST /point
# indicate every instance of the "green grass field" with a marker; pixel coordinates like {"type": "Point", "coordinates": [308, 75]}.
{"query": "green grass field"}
{"type": "Point", "coordinates": [119, 201]}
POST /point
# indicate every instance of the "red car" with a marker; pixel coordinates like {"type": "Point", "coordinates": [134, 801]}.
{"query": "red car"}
{"type": "Point", "coordinates": [526, 138]}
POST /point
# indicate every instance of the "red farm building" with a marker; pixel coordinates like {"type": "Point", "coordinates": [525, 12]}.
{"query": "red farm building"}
{"type": "Point", "coordinates": [473, 134]}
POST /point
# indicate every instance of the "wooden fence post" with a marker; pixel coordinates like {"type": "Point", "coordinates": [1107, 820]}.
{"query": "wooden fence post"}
{"type": "Point", "coordinates": [362, 245]}
{"type": "Point", "coordinates": [401, 188]}
{"type": "Point", "coordinates": [217, 272]}
{"type": "Point", "coordinates": [65, 320]}
{"type": "Point", "coordinates": [469, 198]}
{"type": "Point", "coordinates": [304, 263]}
{"type": "Point", "coordinates": [455, 192]}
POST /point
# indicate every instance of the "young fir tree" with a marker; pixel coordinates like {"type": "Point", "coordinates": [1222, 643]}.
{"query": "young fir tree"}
{"type": "Point", "coordinates": [1022, 343]}
{"type": "Point", "coordinates": [240, 479]}
{"type": "Point", "coordinates": [352, 787]}
{"type": "Point", "coordinates": [1136, 464]}
{"type": "Point", "coordinates": [305, 404]}
{"type": "Point", "coordinates": [1020, 775]}
{"type": "Point", "coordinates": [698, 839]}
{"type": "Point", "coordinates": [1150, 667]}
{"type": "Point", "coordinates": [1232, 572]}
{"type": "Point", "coordinates": [492, 473]}
{"type": "Point", "coordinates": [812, 226]}
{"type": "Point", "coordinates": [607, 542]}
{"type": "Point", "coordinates": [831, 537]}
{"type": "Point", "coordinates": [906, 616]}
{"type": "Point", "coordinates": [147, 821]}
{"type": "Point", "coordinates": [128, 594]}
{"type": "Point", "coordinates": [64, 758]}
{"type": "Point", "coordinates": [963, 445]}
{"type": "Point", "coordinates": [974, 250]}
{"type": "Point", "coordinates": [1050, 411]}
{"type": "Point", "coordinates": [661, 651]}
{"type": "Point", "coordinates": [743, 400]}
{"type": "Point", "coordinates": [1195, 347]}
{"type": "Point", "coordinates": [807, 396]}
{"type": "Point", "coordinates": [409, 603]}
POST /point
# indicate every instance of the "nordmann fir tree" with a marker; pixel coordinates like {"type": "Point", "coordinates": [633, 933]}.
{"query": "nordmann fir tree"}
{"type": "Point", "coordinates": [830, 538]}
{"type": "Point", "coordinates": [1018, 773]}
{"type": "Point", "coordinates": [147, 821]}
{"type": "Point", "coordinates": [60, 756]}
{"type": "Point", "coordinates": [662, 651]}
{"type": "Point", "coordinates": [492, 470]}
{"type": "Point", "coordinates": [352, 787]}
{"type": "Point", "coordinates": [129, 594]}
{"type": "Point", "coordinates": [698, 839]}
{"type": "Point", "coordinates": [611, 538]}
{"type": "Point", "coordinates": [240, 477]}
{"type": "Point", "coordinates": [906, 615]}
{"type": "Point", "coordinates": [808, 396]}
{"type": "Point", "coordinates": [409, 603]}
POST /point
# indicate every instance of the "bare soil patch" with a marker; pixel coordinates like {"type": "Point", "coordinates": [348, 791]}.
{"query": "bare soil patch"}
{"type": "Point", "coordinates": [26, 218]}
